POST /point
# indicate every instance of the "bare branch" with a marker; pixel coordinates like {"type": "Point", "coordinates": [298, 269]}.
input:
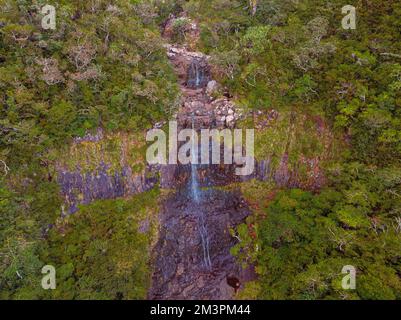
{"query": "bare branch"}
{"type": "Point", "coordinates": [389, 54]}
{"type": "Point", "coordinates": [5, 167]}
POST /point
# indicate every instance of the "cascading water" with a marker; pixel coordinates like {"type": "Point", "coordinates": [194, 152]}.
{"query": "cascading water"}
{"type": "Point", "coordinates": [198, 74]}
{"type": "Point", "coordinates": [194, 222]}
{"type": "Point", "coordinates": [196, 195]}
{"type": "Point", "coordinates": [194, 161]}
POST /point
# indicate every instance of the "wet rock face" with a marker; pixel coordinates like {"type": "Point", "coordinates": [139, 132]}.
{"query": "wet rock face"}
{"type": "Point", "coordinates": [80, 187]}
{"type": "Point", "coordinates": [180, 268]}
{"type": "Point", "coordinates": [187, 63]}
{"type": "Point", "coordinates": [198, 75]}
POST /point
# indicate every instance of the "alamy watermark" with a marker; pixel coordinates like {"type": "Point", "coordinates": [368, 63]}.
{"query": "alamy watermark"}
{"type": "Point", "coordinates": [349, 281]}
{"type": "Point", "coordinates": [193, 152]}
{"type": "Point", "coordinates": [49, 18]}
{"type": "Point", "coordinates": [49, 280]}
{"type": "Point", "coordinates": [349, 21]}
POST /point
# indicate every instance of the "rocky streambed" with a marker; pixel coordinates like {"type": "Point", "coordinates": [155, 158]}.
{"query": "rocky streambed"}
{"type": "Point", "coordinates": [192, 258]}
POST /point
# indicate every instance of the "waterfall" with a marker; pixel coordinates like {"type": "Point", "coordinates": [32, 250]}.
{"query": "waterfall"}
{"type": "Point", "coordinates": [195, 193]}
{"type": "Point", "coordinates": [194, 172]}
{"type": "Point", "coordinates": [197, 74]}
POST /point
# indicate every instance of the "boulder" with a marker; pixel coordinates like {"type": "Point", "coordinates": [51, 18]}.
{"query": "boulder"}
{"type": "Point", "coordinates": [229, 120]}
{"type": "Point", "coordinates": [211, 87]}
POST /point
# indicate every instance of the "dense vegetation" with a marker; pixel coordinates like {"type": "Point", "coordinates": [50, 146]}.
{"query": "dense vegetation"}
{"type": "Point", "coordinates": [102, 252]}
{"type": "Point", "coordinates": [296, 58]}
{"type": "Point", "coordinates": [105, 66]}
